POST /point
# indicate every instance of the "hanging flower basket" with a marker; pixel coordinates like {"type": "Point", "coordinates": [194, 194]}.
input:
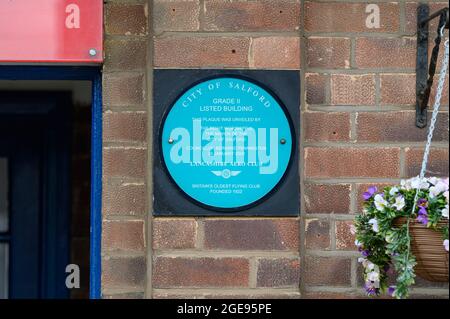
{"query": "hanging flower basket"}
{"type": "Point", "coordinates": [398, 234]}
{"type": "Point", "coordinates": [426, 246]}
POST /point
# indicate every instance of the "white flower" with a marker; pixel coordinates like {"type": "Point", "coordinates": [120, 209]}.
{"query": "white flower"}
{"type": "Point", "coordinates": [445, 212]}
{"type": "Point", "coordinates": [417, 183]}
{"type": "Point", "coordinates": [399, 202]}
{"type": "Point", "coordinates": [380, 202]}
{"type": "Point", "coordinates": [358, 243]}
{"type": "Point", "coordinates": [446, 196]}
{"type": "Point", "coordinates": [433, 180]}
{"type": "Point", "coordinates": [405, 184]}
{"type": "Point", "coordinates": [374, 224]}
{"type": "Point", "coordinates": [370, 265]}
{"type": "Point", "coordinates": [374, 276]}
{"type": "Point", "coordinates": [437, 189]}
{"type": "Point", "coordinates": [446, 244]}
{"type": "Point", "coordinates": [393, 191]}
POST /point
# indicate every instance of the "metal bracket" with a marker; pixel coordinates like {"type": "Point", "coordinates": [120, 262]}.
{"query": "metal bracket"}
{"type": "Point", "coordinates": [425, 73]}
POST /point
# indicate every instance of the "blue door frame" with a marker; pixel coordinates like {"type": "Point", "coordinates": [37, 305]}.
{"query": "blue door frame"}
{"type": "Point", "coordinates": [92, 74]}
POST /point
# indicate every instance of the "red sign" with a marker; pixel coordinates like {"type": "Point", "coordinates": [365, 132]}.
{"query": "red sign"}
{"type": "Point", "coordinates": [67, 31]}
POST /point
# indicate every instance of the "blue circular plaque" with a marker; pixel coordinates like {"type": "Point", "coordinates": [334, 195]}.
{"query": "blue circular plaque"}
{"type": "Point", "coordinates": [226, 143]}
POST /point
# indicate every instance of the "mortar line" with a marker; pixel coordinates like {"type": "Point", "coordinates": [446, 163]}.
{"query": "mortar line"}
{"type": "Point", "coordinates": [377, 89]}
{"type": "Point", "coordinates": [332, 232]}
{"type": "Point", "coordinates": [149, 171]}
{"type": "Point", "coordinates": [223, 254]}
{"type": "Point", "coordinates": [200, 237]}
{"type": "Point", "coordinates": [353, 198]}
{"type": "Point", "coordinates": [303, 71]}
{"type": "Point", "coordinates": [253, 272]}
{"type": "Point", "coordinates": [402, 163]}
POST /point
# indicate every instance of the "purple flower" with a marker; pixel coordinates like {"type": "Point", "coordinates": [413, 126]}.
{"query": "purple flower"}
{"type": "Point", "coordinates": [391, 290]}
{"type": "Point", "coordinates": [365, 253]}
{"type": "Point", "coordinates": [370, 192]}
{"type": "Point", "coordinates": [370, 289]}
{"type": "Point", "coordinates": [422, 202]}
{"type": "Point", "coordinates": [423, 211]}
{"type": "Point", "coordinates": [423, 216]}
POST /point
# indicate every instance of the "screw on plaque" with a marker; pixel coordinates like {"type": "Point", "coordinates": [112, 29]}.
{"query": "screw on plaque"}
{"type": "Point", "coordinates": [283, 141]}
{"type": "Point", "coordinates": [171, 140]}
{"type": "Point", "coordinates": [92, 52]}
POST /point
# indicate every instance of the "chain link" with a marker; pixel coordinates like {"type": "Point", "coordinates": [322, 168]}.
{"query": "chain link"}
{"type": "Point", "coordinates": [437, 104]}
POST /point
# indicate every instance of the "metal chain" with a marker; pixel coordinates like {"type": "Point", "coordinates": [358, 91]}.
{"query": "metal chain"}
{"type": "Point", "coordinates": [437, 104]}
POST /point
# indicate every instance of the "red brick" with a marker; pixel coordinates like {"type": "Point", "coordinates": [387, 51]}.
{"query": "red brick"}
{"type": "Point", "coordinates": [411, 16]}
{"type": "Point", "coordinates": [437, 162]}
{"type": "Point", "coordinates": [201, 52]}
{"type": "Point", "coordinates": [317, 234]}
{"type": "Point", "coordinates": [345, 240]}
{"type": "Point", "coordinates": [327, 271]}
{"type": "Point", "coordinates": [170, 15]}
{"type": "Point", "coordinates": [362, 188]}
{"type": "Point", "coordinates": [124, 162]}
{"type": "Point", "coordinates": [123, 235]}
{"type": "Point", "coordinates": [352, 162]}
{"type": "Point", "coordinates": [331, 295]}
{"type": "Point", "coordinates": [123, 89]}
{"type": "Point", "coordinates": [444, 98]}
{"type": "Point", "coordinates": [200, 272]}
{"type": "Point", "coordinates": [124, 200]}
{"type": "Point", "coordinates": [125, 19]}
{"type": "Point", "coordinates": [316, 86]}
{"type": "Point", "coordinates": [252, 234]}
{"type": "Point", "coordinates": [420, 282]}
{"type": "Point", "coordinates": [348, 17]}
{"type": "Point", "coordinates": [398, 89]}
{"type": "Point", "coordinates": [265, 15]}
{"type": "Point", "coordinates": [282, 272]}
{"type": "Point", "coordinates": [327, 199]}
{"type": "Point", "coordinates": [397, 127]}
{"type": "Point", "coordinates": [326, 126]}
{"type": "Point", "coordinates": [229, 295]}
{"type": "Point", "coordinates": [385, 53]}
{"type": "Point", "coordinates": [124, 126]}
{"type": "Point", "coordinates": [125, 54]}
{"type": "Point", "coordinates": [331, 53]}
{"type": "Point", "coordinates": [120, 272]}
{"type": "Point", "coordinates": [352, 89]}
{"type": "Point", "coordinates": [276, 52]}
{"type": "Point", "coordinates": [174, 233]}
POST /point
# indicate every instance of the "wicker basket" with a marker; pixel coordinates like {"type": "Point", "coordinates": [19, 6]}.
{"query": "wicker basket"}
{"type": "Point", "coordinates": [427, 247]}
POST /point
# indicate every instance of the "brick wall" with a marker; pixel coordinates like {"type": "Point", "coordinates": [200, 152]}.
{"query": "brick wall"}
{"type": "Point", "coordinates": [125, 170]}
{"type": "Point", "coordinates": [222, 257]}
{"type": "Point", "coordinates": [357, 129]}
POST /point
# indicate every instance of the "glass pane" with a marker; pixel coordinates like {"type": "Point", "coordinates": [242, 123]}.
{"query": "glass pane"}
{"type": "Point", "coordinates": [3, 195]}
{"type": "Point", "coordinates": [4, 263]}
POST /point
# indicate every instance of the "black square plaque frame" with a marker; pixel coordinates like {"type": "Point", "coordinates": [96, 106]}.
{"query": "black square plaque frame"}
{"type": "Point", "coordinates": [168, 85]}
